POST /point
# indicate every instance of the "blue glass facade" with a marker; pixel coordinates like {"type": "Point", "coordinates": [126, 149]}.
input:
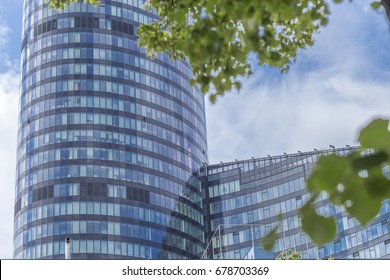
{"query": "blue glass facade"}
{"type": "Point", "coordinates": [107, 139]}
{"type": "Point", "coordinates": [243, 200]}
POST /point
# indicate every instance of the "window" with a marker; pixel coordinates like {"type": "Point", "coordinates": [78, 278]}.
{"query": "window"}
{"type": "Point", "coordinates": [387, 246]}
{"type": "Point", "coordinates": [236, 237]}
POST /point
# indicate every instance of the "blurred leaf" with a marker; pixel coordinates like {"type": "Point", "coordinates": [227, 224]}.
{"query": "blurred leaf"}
{"type": "Point", "coordinates": [378, 186]}
{"type": "Point", "coordinates": [269, 240]}
{"type": "Point", "coordinates": [376, 5]}
{"type": "Point", "coordinates": [369, 161]}
{"type": "Point", "coordinates": [320, 229]}
{"type": "Point", "coordinates": [327, 173]}
{"type": "Point", "coordinates": [376, 135]}
{"type": "Point", "coordinates": [364, 207]}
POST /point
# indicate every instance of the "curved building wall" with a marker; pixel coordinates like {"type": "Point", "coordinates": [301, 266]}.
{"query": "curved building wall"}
{"type": "Point", "coordinates": [107, 139]}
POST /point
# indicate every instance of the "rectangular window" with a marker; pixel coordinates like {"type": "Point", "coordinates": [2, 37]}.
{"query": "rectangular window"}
{"type": "Point", "coordinates": [77, 22]}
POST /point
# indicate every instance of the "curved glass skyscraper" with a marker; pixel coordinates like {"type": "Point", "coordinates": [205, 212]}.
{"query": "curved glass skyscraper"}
{"type": "Point", "coordinates": [107, 139]}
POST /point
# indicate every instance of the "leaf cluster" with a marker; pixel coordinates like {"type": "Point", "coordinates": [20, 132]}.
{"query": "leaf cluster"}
{"type": "Point", "coordinates": [289, 255]}
{"type": "Point", "coordinates": [219, 37]}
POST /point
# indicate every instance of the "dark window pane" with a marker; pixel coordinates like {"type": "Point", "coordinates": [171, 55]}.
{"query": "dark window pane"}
{"type": "Point", "coordinates": [129, 193]}
{"type": "Point", "coordinates": [135, 194]}
{"type": "Point", "coordinates": [90, 189]}
{"type": "Point", "coordinates": [50, 191]}
{"type": "Point", "coordinates": [44, 192]}
{"type": "Point", "coordinates": [39, 194]}
{"type": "Point", "coordinates": [96, 22]}
{"type": "Point", "coordinates": [35, 195]}
{"type": "Point", "coordinates": [77, 22]}
{"type": "Point", "coordinates": [83, 22]}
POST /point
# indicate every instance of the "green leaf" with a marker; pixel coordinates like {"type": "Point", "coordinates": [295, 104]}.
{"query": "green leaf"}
{"type": "Point", "coordinates": [377, 184]}
{"type": "Point", "coordinates": [237, 85]}
{"type": "Point", "coordinates": [364, 207]}
{"type": "Point", "coordinates": [327, 174]}
{"type": "Point", "coordinates": [213, 98]}
{"type": "Point", "coordinates": [275, 56]}
{"type": "Point", "coordinates": [370, 161]}
{"type": "Point", "coordinates": [324, 21]}
{"type": "Point", "coordinates": [376, 5]}
{"type": "Point", "coordinates": [320, 229]}
{"type": "Point", "coordinates": [268, 241]}
{"type": "Point", "coordinates": [376, 135]}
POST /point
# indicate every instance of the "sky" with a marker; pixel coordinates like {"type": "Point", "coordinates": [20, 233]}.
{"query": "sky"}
{"type": "Point", "coordinates": [330, 92]}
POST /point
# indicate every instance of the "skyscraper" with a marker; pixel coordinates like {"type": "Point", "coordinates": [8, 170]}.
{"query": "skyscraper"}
{"type": "Point", "coordinates": [107, 139]}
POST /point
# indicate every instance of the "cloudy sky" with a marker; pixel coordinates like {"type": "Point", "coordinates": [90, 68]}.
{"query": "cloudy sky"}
{"type": "Point", "coordinates": [330, 92]}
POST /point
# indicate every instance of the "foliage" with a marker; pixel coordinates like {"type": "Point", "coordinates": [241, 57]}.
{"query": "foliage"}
{"type": "Point", "coordinates": [289, 255]}
{"type": "Point", "coordinates": [219, 37]}
{"type": "Point", "coordinates": [293, 255]}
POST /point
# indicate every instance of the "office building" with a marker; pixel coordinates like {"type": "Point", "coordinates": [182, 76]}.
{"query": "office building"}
{"type": "Point", "coordinates": [243, 199]}
{"type": "Point", "coordinates": [107, 139]}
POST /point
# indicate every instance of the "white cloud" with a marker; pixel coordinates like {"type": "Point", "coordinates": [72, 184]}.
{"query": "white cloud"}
{"type": "Point", "coordinates": [4, 35]}
{"type": "Point", "coordinates": [4, 40]}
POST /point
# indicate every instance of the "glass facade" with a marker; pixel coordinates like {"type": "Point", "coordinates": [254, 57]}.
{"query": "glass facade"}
{"type": "Point", "coordinates": [107, 139]}
{"type": "Point", "coordinates": [243, 200]}
{"type": "Point", "coordinates": [112, 153]}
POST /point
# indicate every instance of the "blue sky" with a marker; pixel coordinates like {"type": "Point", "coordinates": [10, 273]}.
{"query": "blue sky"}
{"type": "Point", "coordinates": [334, 88]}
